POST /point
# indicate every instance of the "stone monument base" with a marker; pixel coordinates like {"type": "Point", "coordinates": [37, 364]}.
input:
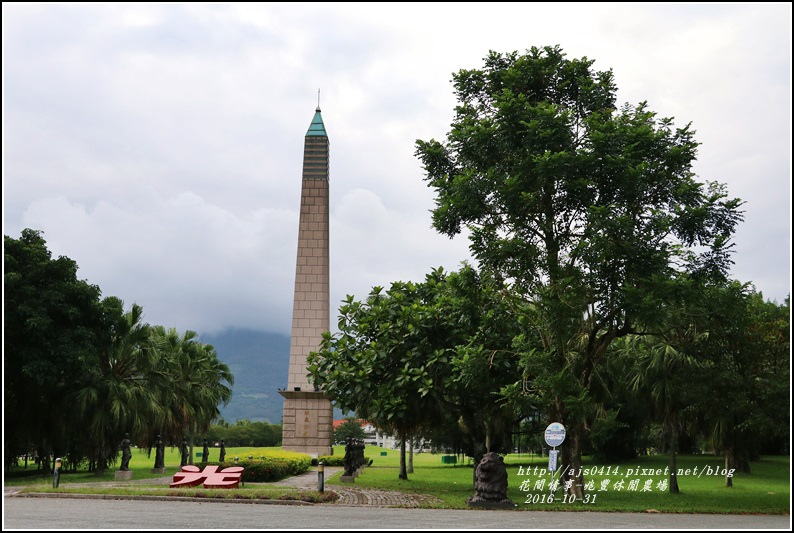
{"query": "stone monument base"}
{"type": "Point", "coordinates": [493, 505]}
{"type": "Point", "coordinates": [348, 479]}
{"type": "Point", "coordinates": [158, 470]}
{"type": "Point", "coordinates": [123, 475]}
{"type": "Point", "coordinates": [307, 424]}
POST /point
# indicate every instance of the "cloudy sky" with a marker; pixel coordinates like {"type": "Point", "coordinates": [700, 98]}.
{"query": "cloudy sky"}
{"type": "Point", "coordinates": [160, 145]}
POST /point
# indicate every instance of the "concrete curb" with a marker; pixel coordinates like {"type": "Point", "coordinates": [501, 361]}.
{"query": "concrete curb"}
{"type": "Point", "coordinates": [373, 498]}
{"type": "Point", "coordinates": [152, 498]}
{"type": "Point", "coordinates": [348, 495]}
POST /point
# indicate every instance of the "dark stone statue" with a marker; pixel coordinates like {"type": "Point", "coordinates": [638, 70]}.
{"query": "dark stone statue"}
{"type": "Point", "coordinates": [490, 485]}
{"type": "Point", "coordinates": [159, 453]}
{"type": "Point", "coordinates": [185, 450]}
{"type": "Point", "coordinates": [222, 456]}
{"type": "Point", "coordinates": [349, 459]}
{"type": "Point", "coordinates": [360, 459]}
{"type": "Point", "coordinates": [126, 454]}
{"type": "Point", "coordinates": [205, 453]}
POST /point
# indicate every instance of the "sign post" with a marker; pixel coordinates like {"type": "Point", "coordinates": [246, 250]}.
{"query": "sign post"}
{"type": "Point", "coordinates": [554, 436]}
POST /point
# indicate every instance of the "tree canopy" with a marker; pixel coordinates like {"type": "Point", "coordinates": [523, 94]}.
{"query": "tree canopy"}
{"type": "Point", "coordinates": [587, 209]}
{"type": "Point", "coordinates": [427, 358]}
{"type": "Point", "coordinates": [386, 359]}
{"type": "Point", "coordinates": [53, 323]}
{"type": "Point", "coordinates": [80, 371]}
{"type": "Point", "coordinates": [349, 429]}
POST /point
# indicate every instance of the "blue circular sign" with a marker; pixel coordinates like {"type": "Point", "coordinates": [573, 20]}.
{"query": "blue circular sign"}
{"type": "Point", "coordinates": [555, 434]}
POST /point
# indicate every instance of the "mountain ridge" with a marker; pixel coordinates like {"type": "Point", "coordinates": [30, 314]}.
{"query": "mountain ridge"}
{"type": "Point", "coordinates": [259, 362]}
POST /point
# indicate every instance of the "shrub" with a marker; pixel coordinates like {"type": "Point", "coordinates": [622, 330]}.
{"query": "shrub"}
{"type": "Point", "coordinates": [270, 466]}
{"type": "Point", "coordinates": [334, 460]}
{"type": "Point", "coordinates": [329, 460]}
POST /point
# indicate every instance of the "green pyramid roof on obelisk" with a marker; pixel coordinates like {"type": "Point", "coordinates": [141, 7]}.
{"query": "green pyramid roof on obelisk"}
{"type": "Point", "coordinates": [317, 128]}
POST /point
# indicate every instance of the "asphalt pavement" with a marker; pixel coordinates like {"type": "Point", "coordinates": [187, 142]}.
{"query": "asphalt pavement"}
{"type": "Point", "coordinates": [26, 513]}
{"type": "Point", "coordinates": [357, 509]}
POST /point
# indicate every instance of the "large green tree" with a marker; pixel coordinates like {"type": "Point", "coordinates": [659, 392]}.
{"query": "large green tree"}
{"type": "Point", "coordinates": [428, 359]}
{"type": "Point", "coordinates": [482, 362]}
{"type": "Point", "coordinates": [80, 372]}
{"type": "Point", "coordinates": [585, 208]}
{"type": "Point", "coordinates": [387, 358]}
{"type": "Point", "coordinates": [52, 324]}
{"type": "Point", "coordinates": [349, 429]}
{"type": "Point", "coordinates": [747, 358]}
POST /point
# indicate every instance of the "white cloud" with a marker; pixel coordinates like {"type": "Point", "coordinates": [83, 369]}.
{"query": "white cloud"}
{"type": "Point", "coordinates": [372, 245]}
{"type": "Point", "coordinates": [160, 145]}
{"type": "Point", "coordinates": [189, 263]}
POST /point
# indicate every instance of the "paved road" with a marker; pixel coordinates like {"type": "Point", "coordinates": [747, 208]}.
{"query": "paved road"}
{"type": "Point", "coordinates": [36, 513]}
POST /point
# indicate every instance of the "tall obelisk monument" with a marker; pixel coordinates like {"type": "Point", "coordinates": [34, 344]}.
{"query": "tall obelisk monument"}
{"type": "Point", "coordinates": [307, 425]}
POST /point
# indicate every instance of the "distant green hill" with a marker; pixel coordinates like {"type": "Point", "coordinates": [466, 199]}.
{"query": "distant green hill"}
{"type": "Point", "coordinates": [259, 362]}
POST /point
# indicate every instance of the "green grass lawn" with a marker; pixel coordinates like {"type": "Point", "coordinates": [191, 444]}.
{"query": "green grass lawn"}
{"type": "Point", "coordinates": [765, 490]}
{"type": "Point", "coordinates": [141, 464]}
{"type": "Point", "coordinates": [619, 487]}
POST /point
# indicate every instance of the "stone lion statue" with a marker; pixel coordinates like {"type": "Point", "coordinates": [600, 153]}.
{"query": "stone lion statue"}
{"type": "Point", "coordinates": [490, 480]}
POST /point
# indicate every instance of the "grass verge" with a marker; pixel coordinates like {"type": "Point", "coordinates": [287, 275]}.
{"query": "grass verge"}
{"type": "Point", "coordinates": [636, 486]}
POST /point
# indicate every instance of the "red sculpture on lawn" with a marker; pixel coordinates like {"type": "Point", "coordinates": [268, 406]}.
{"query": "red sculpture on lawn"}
{"type": "Point", "coordinates": [191, 476]}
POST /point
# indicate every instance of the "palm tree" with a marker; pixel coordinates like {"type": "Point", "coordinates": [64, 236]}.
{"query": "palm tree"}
{"type": "Point", "coordinates": [118, 398]}
{"type": "Point", "coordinates": [216, 388]}
{"type": "Point", "coordinates": [659, 372]}
{"type": "Point", "coordinates": [196, 383]}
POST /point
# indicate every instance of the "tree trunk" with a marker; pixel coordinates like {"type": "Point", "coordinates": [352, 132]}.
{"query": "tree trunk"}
{"type": "Point", "coordinates": [673, 465]}
{"type": "Point", "coordinates": [403, 472]}
{"type": "Point", "coordinates": [410, 468]}
{"type": "Point", "coordinates": [477, 459]}
{"type": "Point", "coordinates": [45, 459]}
{"type": "Point", "coordinates": [572, 460]}
{"type": "Point", "coordinates": [101, 460]}
{"type": "Point", "coordinates": [742, 464]}
{"type": "Point", "coordinates": [190, 457]}
{"type": "Point", "coordinates": [730, 463]}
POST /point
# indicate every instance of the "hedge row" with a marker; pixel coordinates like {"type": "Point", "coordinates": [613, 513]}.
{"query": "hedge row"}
{"type": "Point", "coordinates": [329, 460]}
{"type": "Point", "coordinates": [268, 468]}
{"type": "Point", "coordinates": [333, 460]}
